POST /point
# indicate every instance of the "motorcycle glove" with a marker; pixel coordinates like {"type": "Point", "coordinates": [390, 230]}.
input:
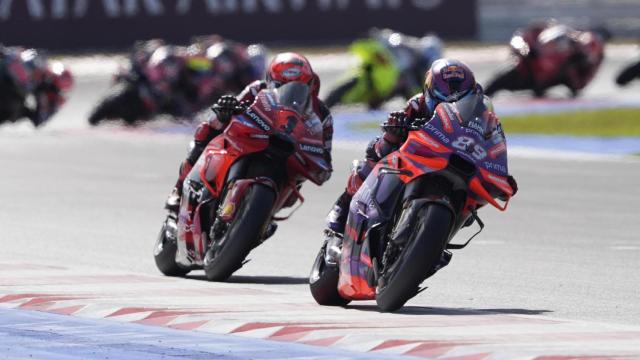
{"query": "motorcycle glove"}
{"type": "Point", "coordinates": [396, 124]}
{"type": "Point", "coordinates": [226, 107]}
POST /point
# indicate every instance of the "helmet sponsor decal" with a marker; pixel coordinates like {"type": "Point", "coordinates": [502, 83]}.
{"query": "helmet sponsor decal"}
{"type": "Point", "coordinates": [453, 72]}
{"type": "Point", "coordinates": [291, 73]}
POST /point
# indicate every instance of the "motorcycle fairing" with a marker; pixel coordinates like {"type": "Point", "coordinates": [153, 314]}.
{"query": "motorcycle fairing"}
{"type": "Point", "coordinates": [273, 122]}
{"type": "Point", "coordinates": [427, 150]}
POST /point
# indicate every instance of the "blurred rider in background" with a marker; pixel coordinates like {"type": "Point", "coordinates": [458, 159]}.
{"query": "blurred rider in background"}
{"type": "Point", "coordinates": [285, 67]}
{"type": "Point", "coordinates": [413, 57]}
{"type": "Point", "coordinates": [557, 54]}
{"type": "Point", "coordinates": [30, 85]}
{"type": "Point", "coordinates": [186, 79]}
{"type": "Point", "coordinates": [447, 80]}
{"type": "Point", "coordinates": [390, 64]}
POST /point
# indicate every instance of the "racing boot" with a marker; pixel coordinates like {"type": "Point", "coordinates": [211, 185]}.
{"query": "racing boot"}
{"type": "Point", "coordinates": [336, 221]}
{"type": "Point", "coordinates": [333, 249]}
{"type": "Point", "coordinates": [173, 201]}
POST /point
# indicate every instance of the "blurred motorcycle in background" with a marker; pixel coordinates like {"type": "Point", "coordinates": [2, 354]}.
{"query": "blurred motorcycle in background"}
{"type": "Point", "coordinates": [31, 85]}
{"type": "Point", "coordinates": [242, 179]}
{"type": "Point", "coordinates": [548, 54]}
{"type": "Point", "coordinates": [403, 218]}
{"type": "Point", "coordinates": [163, 79]}
{"type": "Point", "coordinates": [390, 64]}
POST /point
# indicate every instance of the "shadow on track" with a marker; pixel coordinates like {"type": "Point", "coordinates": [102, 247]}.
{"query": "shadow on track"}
{"type": "Point", "coordinates": [424, 310]}
{"type": "Point", "coordinates": [265, 280]}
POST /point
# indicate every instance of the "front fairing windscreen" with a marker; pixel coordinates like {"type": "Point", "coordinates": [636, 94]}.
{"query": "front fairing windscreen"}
{"type": "Point", "coordinates": [294, 95]}
{"type": "Point", "coordinates": [473, 113]}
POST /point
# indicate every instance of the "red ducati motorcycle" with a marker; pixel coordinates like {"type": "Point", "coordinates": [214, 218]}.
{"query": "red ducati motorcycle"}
{"type": "Point", "coordinates": [240, 182]}
{"type": "Point", "coordinates": [544, 58]}
{"type": "Point", "coordinates": [403, 218]}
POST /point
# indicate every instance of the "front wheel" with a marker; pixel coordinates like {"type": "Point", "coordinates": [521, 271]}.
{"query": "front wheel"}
{"type": "Point", "coordinates": [226, 255]}
{"type": "Point", "coordinates": [405, 268]}
{"type": "Point", "coordinates": [164, 252]}
{"type": "Point", "coordinates": [323, 282]}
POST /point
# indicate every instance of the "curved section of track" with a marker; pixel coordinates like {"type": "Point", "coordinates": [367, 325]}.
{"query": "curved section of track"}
{"type": "Point", "coordinates": [556, 275]}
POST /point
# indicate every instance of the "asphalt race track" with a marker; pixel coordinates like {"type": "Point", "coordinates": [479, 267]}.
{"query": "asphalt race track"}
{"type": "Point", "coordinates": [81, 209]}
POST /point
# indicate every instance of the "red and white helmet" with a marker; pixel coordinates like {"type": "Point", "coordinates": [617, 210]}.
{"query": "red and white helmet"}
{"type": "Point", "coordinates": [62, 78]}
{"type": "Point", "coordinates": [287, 67]}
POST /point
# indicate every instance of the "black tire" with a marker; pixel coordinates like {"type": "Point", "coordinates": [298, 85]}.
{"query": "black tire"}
{"type": "Point", "coordinates": [123, 103]}
{"type": "Point", "coordinates": [244, 233]}
{"type": "Point", "coordinates": [323, 282]}
{"type": "Point", "coordinates": [164, 252]}
{"type": "Point", "coordinates": [508, 79]}
{"type": "Point", "coordinates": [629, 73]}
{"type": "Point", "coordinates": [417, 260]}
{"type": "Point", "coordinates": [335, 95]}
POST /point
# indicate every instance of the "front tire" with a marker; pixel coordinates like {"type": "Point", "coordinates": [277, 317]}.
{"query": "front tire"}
{"type": "Point", "coordinates": [323, 282]}
{"type": "Point", "coordinates": [244, 233]}
{"type": "Point", "coordinates": [164, 252]}
{"type": "Point", "coordinates": [401, 278]}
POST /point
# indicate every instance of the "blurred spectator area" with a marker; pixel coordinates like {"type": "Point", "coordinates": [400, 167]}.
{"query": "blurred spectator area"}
{"type": "Point", "coordinates": [499, 18]}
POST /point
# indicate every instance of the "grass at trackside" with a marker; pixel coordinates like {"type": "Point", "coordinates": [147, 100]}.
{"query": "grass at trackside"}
{"type": "Point", "coordinates": [606, 123]}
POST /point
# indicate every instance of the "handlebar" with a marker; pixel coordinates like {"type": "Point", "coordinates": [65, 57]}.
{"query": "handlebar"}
{"type": "Point", "coordinates": [416, 124]}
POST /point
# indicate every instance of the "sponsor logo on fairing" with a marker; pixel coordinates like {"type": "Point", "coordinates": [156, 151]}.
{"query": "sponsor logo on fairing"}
{"type": "Point", "coordinates": [493, 166]}
{"type": "Point", "coordinates": [258, 120]}
{"type": "Point", "coordinates": [476, 126]}
{"type": "Point", "coordinates": [312, 148]}
{"type": "Point", "coordinates": [435, 131]}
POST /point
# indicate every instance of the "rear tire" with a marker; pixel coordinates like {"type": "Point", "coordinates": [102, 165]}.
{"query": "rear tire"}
{"type": "Point", "coordinates": [401, 279]}
{"type": "Point", "coordinates": [122, 103]}
{"type": "Point", "coordinates": [243, 234]}
{"type": "Point", "coordinates": [165, 250]}
{"type": "Point", "coordinates": [323, 282]}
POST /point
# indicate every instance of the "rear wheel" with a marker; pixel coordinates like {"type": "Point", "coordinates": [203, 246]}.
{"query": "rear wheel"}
{"type": "Point", "coordinates": [323, 282]}
{"type": "Point", "coordinates": [166, 248]}
{"type": "Point", "coordinates": [226, 255]}
{"type": "Point", "coordinates": [404, 268]}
